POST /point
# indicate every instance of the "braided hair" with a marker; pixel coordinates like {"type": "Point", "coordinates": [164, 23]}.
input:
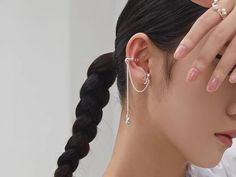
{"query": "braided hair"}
{"type": "Point", "coordinates": [94, 95]}
{"type": "Point", "coordinates": [165, 22]}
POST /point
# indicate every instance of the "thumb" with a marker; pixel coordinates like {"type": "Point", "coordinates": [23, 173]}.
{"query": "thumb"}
{"type": "Point", "coordinates": [204, 3]}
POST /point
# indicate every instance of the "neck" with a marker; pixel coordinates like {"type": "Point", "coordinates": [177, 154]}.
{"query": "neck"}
{"type": "Point", "coordinates": [139, 152]}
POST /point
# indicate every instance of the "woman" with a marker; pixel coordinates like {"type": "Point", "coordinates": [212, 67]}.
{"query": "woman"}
{"type": "Point", "coordinates": [166, 124]}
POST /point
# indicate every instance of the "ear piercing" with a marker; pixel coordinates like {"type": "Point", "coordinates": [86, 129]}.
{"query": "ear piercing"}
{"type": "Point", "coordinates": [146, 83]}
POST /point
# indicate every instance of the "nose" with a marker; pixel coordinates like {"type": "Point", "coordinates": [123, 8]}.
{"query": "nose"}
{"type": "Point", "coordinates": [231, 110]}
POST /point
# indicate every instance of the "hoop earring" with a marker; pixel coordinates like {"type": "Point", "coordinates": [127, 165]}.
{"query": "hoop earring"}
{"type": "Point", "coordinates": [146, 83]}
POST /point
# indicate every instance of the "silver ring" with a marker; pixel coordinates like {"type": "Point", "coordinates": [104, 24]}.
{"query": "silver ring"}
{"type": "Point", "coordinates": [221, 11]}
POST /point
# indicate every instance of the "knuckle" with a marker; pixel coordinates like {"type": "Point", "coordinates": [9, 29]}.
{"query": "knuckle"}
{"type": "Point", "coordinates": [202, 62]}
{"type": "Point", "coordinates": [203, 22]}
{"type": "Point", "coordinates": [221, 71]}
{"type": "Point", "coordinates": [218, 35]}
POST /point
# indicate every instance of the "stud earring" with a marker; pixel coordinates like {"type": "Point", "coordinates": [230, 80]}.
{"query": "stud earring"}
{"type": "Point", "coordinates": [146, 83]}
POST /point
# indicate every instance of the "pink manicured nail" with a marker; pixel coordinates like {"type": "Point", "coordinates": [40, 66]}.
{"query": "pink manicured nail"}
{"type": "Point", "coordinates": [213, 84]}
{"type": "Point", "coordinates": [180, 51]}
{"type": "Point", "coordinates": [232, 78]}
{"type": "Point", "coordinates": [193, 74]}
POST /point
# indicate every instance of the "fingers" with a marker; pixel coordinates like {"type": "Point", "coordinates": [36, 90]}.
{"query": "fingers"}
{"type": "Point", "coordinates": [204, 3]}
{"type": "Point", "coordinates": [215, 42]}
{"type": "Point", "coordinates": [223, 68]}
{"type": "Point", "coordinates": [203, 25]}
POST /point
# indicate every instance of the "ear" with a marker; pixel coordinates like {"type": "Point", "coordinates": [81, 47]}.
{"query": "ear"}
{"type": "Point", "coordinates": [139, 47]}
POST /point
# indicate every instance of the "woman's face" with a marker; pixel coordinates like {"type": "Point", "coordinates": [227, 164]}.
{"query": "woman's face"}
{"type": "Point", "coordinates": [188, 115]}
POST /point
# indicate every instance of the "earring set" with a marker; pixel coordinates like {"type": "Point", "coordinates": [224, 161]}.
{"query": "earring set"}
{"type": "Point", "coordinates": [146, 83]}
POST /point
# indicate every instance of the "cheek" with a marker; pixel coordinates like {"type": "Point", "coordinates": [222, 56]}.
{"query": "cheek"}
{"type": "Point", "coordinates": [189, 127]}
{"type": "Point", "coordinates": [187, 116]}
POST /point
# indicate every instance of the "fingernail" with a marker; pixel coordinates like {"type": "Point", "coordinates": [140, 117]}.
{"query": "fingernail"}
{"type": "Point", "coordinates": [180, 51]}
{"type": "Point", "coordinates": [213, 84]}
{"type": "Point", "coordinates": [232, 78]}
{"type": "Point", "coordinates": [193, 74]}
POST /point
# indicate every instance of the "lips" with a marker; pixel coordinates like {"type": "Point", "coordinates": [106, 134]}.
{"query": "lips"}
{"type": "Point", "coordinates": [225, 139]}
{"type": "Point", "coordinates": [230, 134]}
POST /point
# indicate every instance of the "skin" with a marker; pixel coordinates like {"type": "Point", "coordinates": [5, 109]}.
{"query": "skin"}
{"type": "Point", "coordinates": [204, 3]}
{"type": "Point", "coordinates": [170, 126]}
{"type": "Point", "coordinates": [224, 33]}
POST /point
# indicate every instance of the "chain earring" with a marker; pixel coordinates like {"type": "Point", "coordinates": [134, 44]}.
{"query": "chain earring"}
{"type": "Point", "coordinates": [146, 83]}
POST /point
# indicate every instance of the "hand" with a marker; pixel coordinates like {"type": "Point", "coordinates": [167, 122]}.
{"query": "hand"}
{"type": "Point", "coordinates": [204, 3]}
{"type": "Point", "coordinates": [224, 31]}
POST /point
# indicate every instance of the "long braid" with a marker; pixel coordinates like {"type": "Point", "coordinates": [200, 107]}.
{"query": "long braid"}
{"type": "Point", "coordinates": [94, 95]}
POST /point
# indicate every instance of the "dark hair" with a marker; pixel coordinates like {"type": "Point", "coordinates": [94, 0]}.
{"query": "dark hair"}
{"type": "Point", "coordinates": [165, 22]}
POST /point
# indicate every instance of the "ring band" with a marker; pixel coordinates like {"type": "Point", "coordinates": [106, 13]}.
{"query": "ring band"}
{"type": "Point", "coordinates": [221, 11]}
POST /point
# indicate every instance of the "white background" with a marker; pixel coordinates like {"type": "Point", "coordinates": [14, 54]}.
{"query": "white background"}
{"type": "Point", "coordinates": [45, 49]}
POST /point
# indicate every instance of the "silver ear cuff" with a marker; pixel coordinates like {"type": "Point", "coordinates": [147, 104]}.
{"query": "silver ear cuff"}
{"type": "Point", "coordinates": [146, 83]}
